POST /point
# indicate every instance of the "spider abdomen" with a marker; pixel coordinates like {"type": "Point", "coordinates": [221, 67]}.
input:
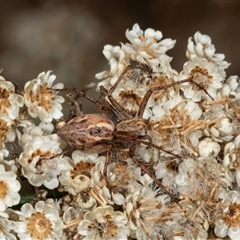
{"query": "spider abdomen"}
{"type": "Point", "coordinates": [90, 132]}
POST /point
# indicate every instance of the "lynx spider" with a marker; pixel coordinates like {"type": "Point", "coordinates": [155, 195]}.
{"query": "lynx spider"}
{"type": "Point", "coordinates": [96, 133]}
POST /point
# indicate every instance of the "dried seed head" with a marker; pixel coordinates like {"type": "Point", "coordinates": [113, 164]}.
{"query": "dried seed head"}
{"type": "Point", "coordinates": [89, 132]}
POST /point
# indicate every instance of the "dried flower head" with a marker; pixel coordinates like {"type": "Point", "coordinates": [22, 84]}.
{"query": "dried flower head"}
{"type": "Point", "coordinates": [104, 223]}
{"type": "Point", "coordinates": [9, 189]}
{"type": "Point", "coordinates": [41, 100]}
{"type": "Point", "coordinates": [41, 222]}
{"type": "Point", "coordinates": [10, 102]}
{"type": "Point", "coordinates": [229, 222]}
{"type": "Point", "coordinates": [40, 159]}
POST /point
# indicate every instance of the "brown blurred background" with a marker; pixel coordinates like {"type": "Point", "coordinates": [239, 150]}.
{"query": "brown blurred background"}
{"type": "Point", "coordinates": [68, 37]}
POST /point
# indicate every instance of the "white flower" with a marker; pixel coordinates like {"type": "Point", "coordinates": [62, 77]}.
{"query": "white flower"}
{"type": "Point", "coordinates": [3, 153]}
{"type": "Point", "coordinates": [165, 174]}
{"type": "Point", "coordinates": [85, 201]}
{"type": "Point", "coordinates": [9, 188]}
{"type": "Point", "coordinates": [103, 223]}
{"type": "Point", "coordinates": [233, 82]}
{"type": "Point", "coordinates": [204, 73]}
{"type": "Point", "coordinates": [115, 178]}
{"type": "Point", "coordinates": [10, 102]}
{"type": "Point", "coordinates": [79, 156]}
{"type": "Point", "coordinates": [30, 130]}
{"type": "Point", "coordinates": [203, 173]}
{"type": "Point", "coordinates": [38, 166]}
{"type": "Point", "coordinates": [7, 130]}
{"type": "Point", "coordinates": [6, 227]}
{"type": "Point", "coordinates": [176, 120]}
{"type": "Point", "coordinates": [42, 222]}
{"type": "Point", "coordinates": [71, 217]}
{"type": "Point", "coordinates": [164, 104]}
{"type": "Point", "coordinates": [229, 223]}
{"type": "Point", "coordinates": [41, 100]}
{"type": "Point", "coordinates": [143, 208]}
{"type": "Point", "coordinates": [229, 87]}
{"type": "Point", "coordinates": [9, 165]}
{"type": "Point", "coordinates": [72, 213]}
{"type": "Point", "coordinates": [147, 48]}
{"type": "Point", "coordinates": [186, 169]}
{"type": "Point", "coordinates": [120, 178]}
{"type": "Point", "coordinates": [189, 229]}
{"type": "Point", "coordinates": [208, 148]}
{"type": "Point", "coordinates": [77, 177]}
{"type": "Point", "coordinates": [129, 95]}
{"type": "Point", "coordinates": [223, 129]}
{"type": "Point", "coordinates": [203, 48]}
{"type": "Point", "coordinates": [232, 161]}
{"type": "Point", "coordinates": [118, 61]}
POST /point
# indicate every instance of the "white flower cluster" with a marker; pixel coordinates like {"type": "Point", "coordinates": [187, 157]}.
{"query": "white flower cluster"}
{"type": "Point", "coordinates": [38, 144]}
{"type": "Point", "coordinates": [178, 178]}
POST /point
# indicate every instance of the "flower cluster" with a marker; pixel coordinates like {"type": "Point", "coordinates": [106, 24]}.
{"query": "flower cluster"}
{"type": "Point", "coordinates": [170, 171]}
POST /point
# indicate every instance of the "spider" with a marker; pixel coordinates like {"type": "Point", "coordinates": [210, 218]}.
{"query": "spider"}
{"type": "Point", "coordinates": [98, 133]}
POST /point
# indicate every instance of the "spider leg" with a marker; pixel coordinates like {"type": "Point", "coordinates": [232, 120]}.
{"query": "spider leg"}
{"type": "Point", "coordinates": [75, 107]}
{"type": "Point", "coordinates": [61, 153]}
{"type": "Point", "coordinates": [82, 93]}
{"type": "Point", "coordinates": [154, 89]}
{"type": "Point", "coordinates": [143, 141]}
{"type": "Point", "coordinates": [102, 103]}
{"type": "Point", "coordinates": [107, 107]}
{"type": "Point", "coordinates": [107, 162]}
{"type": "Point", "coordinates": [129, 67]}
{"type": "Point", "coordinates": [112, 89]}
{"type": "Point", "coordinates": [114, 103]}
{"type": "Point", "coordinates": [145, 170]}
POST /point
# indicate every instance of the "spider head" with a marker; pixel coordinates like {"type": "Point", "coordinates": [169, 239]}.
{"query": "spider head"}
{"type": "Point", "coordinates": [132, 127]}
